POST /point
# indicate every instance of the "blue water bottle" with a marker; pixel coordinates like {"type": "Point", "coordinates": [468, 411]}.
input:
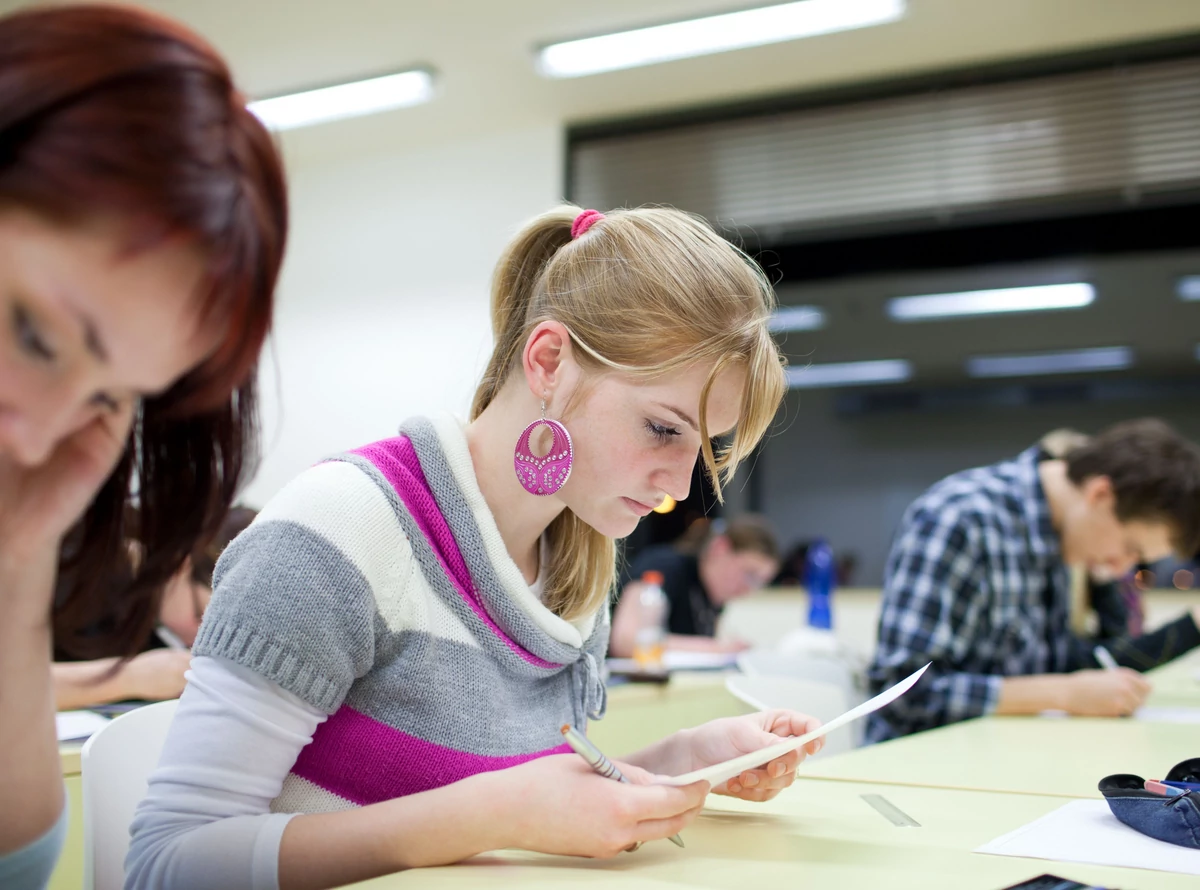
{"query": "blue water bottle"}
{"type": "Point", "coordinates": [818, 578]}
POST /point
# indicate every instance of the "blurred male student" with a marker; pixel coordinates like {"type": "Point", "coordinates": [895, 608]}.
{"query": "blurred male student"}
{"type": "Point", "coordinates": [978, 579]}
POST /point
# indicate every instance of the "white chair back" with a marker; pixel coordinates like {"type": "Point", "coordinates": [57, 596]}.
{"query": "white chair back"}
{"type": "Point", "coordinates": [116, 763]}
{"type": "Point", "coordinates": [814, 697]}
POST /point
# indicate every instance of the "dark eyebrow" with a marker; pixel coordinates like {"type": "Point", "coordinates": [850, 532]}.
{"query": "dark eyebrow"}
{"type": "Point", "coordinates": [683, 415]}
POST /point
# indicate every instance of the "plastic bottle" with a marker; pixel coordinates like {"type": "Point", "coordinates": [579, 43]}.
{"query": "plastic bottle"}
{"type": "Point", "coordinates": [818, 578]}
{"type": "Point", "coordinates": [651, 638]}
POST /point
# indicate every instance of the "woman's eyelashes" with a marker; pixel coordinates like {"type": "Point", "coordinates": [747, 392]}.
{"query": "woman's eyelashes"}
{"type": "Point", "coordinates": [660, 432]}
{"type": "Point", "coordinates": [29, 338]}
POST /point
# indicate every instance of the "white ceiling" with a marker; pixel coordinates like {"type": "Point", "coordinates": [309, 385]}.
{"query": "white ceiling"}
{"type": "Point", "coordinates": [483, 51]}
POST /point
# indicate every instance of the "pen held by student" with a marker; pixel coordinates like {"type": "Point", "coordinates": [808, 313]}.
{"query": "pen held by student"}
{"type": "Point", "coordinates": [596, 760]}
{"type": "Point", "coordinates": [170, 638]}
{"type": "Point", "coordinates": [1104, 657]}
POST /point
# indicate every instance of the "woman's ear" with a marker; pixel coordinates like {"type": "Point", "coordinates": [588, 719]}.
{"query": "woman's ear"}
{"type": "Point", "coordinates": [1098, 492]}
{"type": "Point", "coordinates": [547, 357]}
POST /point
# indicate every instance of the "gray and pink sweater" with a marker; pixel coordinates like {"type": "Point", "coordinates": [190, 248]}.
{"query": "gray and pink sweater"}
{"type": "Point", "coordinates": [376, 588]}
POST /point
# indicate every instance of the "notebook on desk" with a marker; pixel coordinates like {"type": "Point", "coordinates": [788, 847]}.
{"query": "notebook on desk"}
{"type": "Point", "coordinates": [77, 726]}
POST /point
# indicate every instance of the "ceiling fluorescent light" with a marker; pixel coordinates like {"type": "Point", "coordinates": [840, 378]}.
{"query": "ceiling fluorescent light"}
{"type": "Point", "coordinates": [1072, 361]}
{"type": "Point", "coordinates": [849, 373]}
{"type": "Point", "coordinates": [345, 100]}
{"type": "Point", "coordinates": [990, 302]}
{"type": "Point", "coordinates": [1188, 288]}
{"type": "Point", "coordinates": [786, 319]}
{"type": "Point", "coordinates": [713, 34]}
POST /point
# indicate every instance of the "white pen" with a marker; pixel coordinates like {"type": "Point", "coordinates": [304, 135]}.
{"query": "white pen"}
{"type": "Point", "coordinates": [169, 637]}
{"type": "Point", "coordinates": [1105, 658]}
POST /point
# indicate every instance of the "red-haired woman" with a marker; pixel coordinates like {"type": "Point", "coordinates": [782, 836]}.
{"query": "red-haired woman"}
{"type": "Point", "coordinates": [142, 224]}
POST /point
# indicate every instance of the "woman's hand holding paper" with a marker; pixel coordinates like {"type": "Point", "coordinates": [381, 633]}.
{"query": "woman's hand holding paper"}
{"type": "Point", "coordinates": [721, 740]}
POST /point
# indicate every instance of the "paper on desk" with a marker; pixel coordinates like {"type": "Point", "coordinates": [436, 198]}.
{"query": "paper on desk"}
{"type": "Point", "coordinates": [1086, 831]}
{"type": "Point", "coordinates": [678, 661]}
{"type": "Point", "coordinates": [75, 725]}
{"type": "Point", "coordinates": [1168, 715]}
{"type": "Point", "coordinates": [720, 772]}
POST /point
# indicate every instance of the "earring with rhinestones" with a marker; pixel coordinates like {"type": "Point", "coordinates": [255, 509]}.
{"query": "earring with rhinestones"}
{"type": "Point", "coordinates": [547, 474]}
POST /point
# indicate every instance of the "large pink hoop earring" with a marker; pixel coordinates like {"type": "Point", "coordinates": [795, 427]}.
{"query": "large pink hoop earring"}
{"type": "Point", "coordinates": [544, 476]}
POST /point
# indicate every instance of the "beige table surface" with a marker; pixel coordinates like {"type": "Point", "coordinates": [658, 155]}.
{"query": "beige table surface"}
{"type": "Point", "coordinates": [640, 714]}
{"type": "Point", "coordinates": [1027, 755]}
{"type": "Point", "coordinates": [817, 835]}
{"type": "Point", "coordinates": [1035, 755]}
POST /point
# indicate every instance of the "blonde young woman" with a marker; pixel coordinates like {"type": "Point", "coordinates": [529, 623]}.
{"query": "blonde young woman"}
{"type": "Point", "coordinates": [393, 645]}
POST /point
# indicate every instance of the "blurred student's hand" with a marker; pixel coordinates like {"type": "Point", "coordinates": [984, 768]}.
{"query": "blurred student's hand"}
{"type": "Point", "coordinates": [156, 675]}
{"type": "Point", "coordinates": [1105, 693]}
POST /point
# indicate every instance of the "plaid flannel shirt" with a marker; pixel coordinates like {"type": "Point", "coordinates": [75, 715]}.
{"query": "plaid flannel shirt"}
{"type": "Point", "coordinates": [975, 584]}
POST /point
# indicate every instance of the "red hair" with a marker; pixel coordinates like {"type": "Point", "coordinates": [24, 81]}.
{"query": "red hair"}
{"type": "Point", "coordinates": [117, 110]}
{"type": "Point", "coordinates": [113, 110]}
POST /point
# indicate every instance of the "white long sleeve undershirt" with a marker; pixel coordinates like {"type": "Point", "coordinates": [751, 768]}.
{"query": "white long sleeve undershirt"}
{"type": "Point", "coordinates": [206, 820]}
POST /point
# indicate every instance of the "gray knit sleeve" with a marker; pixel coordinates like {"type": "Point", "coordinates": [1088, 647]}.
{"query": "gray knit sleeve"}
{"type": "Point", "coordinates": [292, 595]}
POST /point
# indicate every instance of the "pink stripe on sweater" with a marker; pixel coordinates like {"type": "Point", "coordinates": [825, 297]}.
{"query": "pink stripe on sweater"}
{"type": "Point", "coordinates": [397, 460]}
{"type": "Point", "coordinates": [365, 761]}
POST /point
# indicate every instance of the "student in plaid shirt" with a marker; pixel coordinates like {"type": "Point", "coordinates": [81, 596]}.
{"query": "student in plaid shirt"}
{"type": "Point", "coordinates": [977, 581]}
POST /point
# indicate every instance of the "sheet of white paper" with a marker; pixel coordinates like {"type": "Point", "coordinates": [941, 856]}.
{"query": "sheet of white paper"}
{"type": "Point", "coordinates": [1168, 715]}
{"type": "Point", "coordinates": [1087, 831]}
{"type": "Point", "coordinates": [720, 772]}
{"type": "Point", "coordinates": [698, 661]}
{"type": "Point", "coordinates": [679, 661]}
{"type": "Point", "coordinates": [74, 725]}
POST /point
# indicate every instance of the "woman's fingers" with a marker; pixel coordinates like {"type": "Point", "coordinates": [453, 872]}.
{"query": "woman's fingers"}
{"type": "Point", "coordinates": [657, 802]}
{"type": "Point", "coordinates": [656, 829]}
{"type": "Point", "coordinates": [790, 723]}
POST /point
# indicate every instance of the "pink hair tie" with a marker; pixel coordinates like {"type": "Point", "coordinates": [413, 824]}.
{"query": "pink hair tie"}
{"type": "Point", "coordinates": [583, 222]}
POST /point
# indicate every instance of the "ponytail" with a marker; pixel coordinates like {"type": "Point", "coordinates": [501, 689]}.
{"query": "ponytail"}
{"type": "Point", "coordinates": [518, 274]}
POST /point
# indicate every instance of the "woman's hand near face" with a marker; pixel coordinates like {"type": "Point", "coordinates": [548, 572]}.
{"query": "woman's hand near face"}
{"type": "Point", "coordinates": [37, 507]}
{"type": "Point", "coordinates": [39, 504]}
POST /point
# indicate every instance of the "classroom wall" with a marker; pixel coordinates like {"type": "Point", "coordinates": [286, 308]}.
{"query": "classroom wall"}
{"type": "Point", "coordinates": [850, 478]}
{"type": "Point", "coordinates": [383, 303]}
